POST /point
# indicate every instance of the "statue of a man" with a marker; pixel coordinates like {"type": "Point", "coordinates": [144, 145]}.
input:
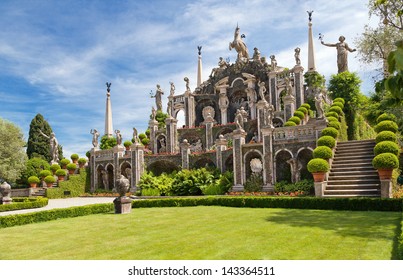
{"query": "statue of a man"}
{"type": "Point", "coordinates": [342, 48]}
{"type": "Point", "coordinates": [239, 118]}
{"type": "Point", "coordinates": [273, 62]}
{"type": "Point", "coordinates": [262, 90]}
{"type": "Point", "coordinates": [269, 115]}
{"type": "Point", "coordinates": [105, 179]}
{"type": "Point", "coordinates": [54, 146]}
{"type": "Point", "coordinates": [172, 91]}
{"type": "Point", "coordinates": [158, 98]}
{"type": "Point", "coordinates": [136, 139]}
{"type": "Point", "coordinates": [95, 136]}
{"type": "Point", "coordinates": [186, 79]}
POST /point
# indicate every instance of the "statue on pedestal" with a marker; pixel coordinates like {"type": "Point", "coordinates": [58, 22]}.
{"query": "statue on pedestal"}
{"type": "Point", "coordinates": [319, 104]}
{"type": "Point", "coordinates": [239, 45]}
{"type": "Point", "coordinates": [296, 56]}
{"type": "Point", "coordinates": [158, 98]}
{"type": "Point", "coordinates": [342, 52]}
{"type": "Point", "coordinates": [54, 146]}
{"type": "Point", "coordinates": [95, 136]}
{"type": "Point", "coordinates": [118, 137]}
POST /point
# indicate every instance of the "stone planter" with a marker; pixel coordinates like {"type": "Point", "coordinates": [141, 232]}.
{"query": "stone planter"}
{"type": "Point", "coordinates": [123, 205]}
{"type": "Point", "coordinates": [33, 185]}
{"type": "Point", "coordinates": [319, 176]}
{"type": "Point", "coordinates": [385, 174]}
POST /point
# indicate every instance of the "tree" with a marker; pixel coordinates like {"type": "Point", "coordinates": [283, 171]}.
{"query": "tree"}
{"type": "Point", "coordinates": [38, 145]}
{"type": "Point", "coordinates": [12, 154]}
{"type": "Point", "coordinates": [390, 11]}
{"type": "Point", "coordinates": [33, 167]}
{"type": "Point", "coordinates": [107, 142]}
{"type": "Point", "coordinates": [394, 83]}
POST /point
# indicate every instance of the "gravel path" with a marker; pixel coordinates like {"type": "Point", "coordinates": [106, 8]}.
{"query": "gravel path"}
{"type": "Point", "coordinates": [63, 203]}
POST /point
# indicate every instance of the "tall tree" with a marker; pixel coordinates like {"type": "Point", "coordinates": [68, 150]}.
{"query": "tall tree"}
{"type": "Point", "coordinates": [12, 154]}
{"type": "Point", "coordinates": [38, 145]}
{"type": "Point", "coordinates": [390, 11]}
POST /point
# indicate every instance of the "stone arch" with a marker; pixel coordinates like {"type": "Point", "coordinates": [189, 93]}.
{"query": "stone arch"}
{"type": "Point", "coordinates": [278, 122]}
{"type": "Point", "coordinates": [123, 169]}
{"type": "Point", "coordinates": [247, 159]}
{"type": "Point", "coordinates": [110, 170]}
{"type": "Point", "coordinates": [237, 80]}
{"type": "Point", "coordinates": [304, 155]}
{"type": "Point", "coordinates": [162, 166]}
{"type": "Point", "coordinates": [192, 136]}
{"type": "Point", "coordinates": [224, 131]}
{"type": "Point", "coordinates": [282, 167]}
{"type": "Point", "coordinates": [229, 163]}
{"type": "Point", "coordinates": [204, 162]}
{"type": "Point", "coordinates": [99, 183]}
{"type": "Point", "coordinates": [161, 137]}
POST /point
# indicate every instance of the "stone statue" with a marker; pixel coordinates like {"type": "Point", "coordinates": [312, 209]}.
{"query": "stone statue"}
{"type": "Point", "coordinates": [222, 64]}
{"type": "Point", "coordinates": [172, 91]}
{"type": "Point", "coordinates": [256, 165]}
{"type": "Point", "coordinates": [123, 185]}
{"type": "Point", "coordinates": [254, 138]}
{"type": "Point", "coordinates": [319, 104]}
{"type": "Point", "coordinates": [223, 102]}
{"type": "Point", "coordinates": [136, 139]}
{"type": "Point", "coordinates": [186, 79]}
{"type": "Point", "coordinates": [197, 146]}
{"type": "Point", "coordinates": [118, 137]}
{"type": "Point", "coordinates": [269, 112]}
{"type": "Point", "coordinates": [158, 98]}
{"type": "Point", "coordinates": [264, 62]}
{"type": "Point", "coordinates": [5, 190]}
{"type": "Point", "coordinates": [239, 45]}
{"type": "Point", "coordinates": [105, 179]}
{"type": "Point", "coordinates": [256, 55]}
{"type": "Point", "coordinates": [288, 86]}
{"type": "Point", "coordinates": [244, 113]}
{"type": "Point", "coordinates": [262, 90]}
{"type": "Point", "coordinates": [163, 148]}
{"type": "Point", "coordinates": [239, 120]}
{"type": "Point", "coordinates": [95, 136]}
{"type": "Point", "coordinates": [342, 48]}
{"type": "Point", "coordinates": [273, 62]}
{"type": "Point", "coordinates": [54, 146]}
{"type": "Point", "coordinates": [153, 113]}
{"type": "Point", "coordinates": [296, 56]}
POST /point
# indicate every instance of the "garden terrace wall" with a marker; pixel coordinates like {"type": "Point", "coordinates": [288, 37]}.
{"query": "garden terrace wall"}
{"type": "Point", "coordinates": [75, 186]}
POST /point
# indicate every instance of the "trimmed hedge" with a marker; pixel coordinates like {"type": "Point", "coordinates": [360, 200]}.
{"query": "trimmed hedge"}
{"type": "Point", "coordinates": [54, 214]}
{"type": "Point", "coordinates": [296, 120]}
{"type": "Point", "coordinates": [332, 119]}
{"type": "Point", "coordinates": [339, 104]}
{"type": "Point", "coordinates": [386, 117]}
{"type": "Point", "coordinates": [336, 109]}
{"type": "Point", "coordinates": [303, 110]}
{"type": "Point", "coordinates": [332, 114]}
{"type": "Point", "coordinates": [24, 203]}
{"type": "Point", "coordinates": [299, 114]}
{"type": "Point", "coordinates": [336, 125]}
{"type": "Point", "coordinates": [385, 161]}
{"type": "Point", "coordinates": [322, 152]}
{"type": "Point", "coordinates": [318, 165]}
{"type": "Point", "coordinates": [386, 147]}
{"type": "Point", "coordinates": [330, 131]}
{"type": "Point", "coordinates": [341, 100]}
{"type": "Point", "coordinates": [386, 136]}
{"type": "Point", "coordinates": [328, 141]}
{"type": "Point", "coordinates": [386, 126]}
{"type": "Point", "coordinates": [350, 204]}
{"type": "Point", "coordinates": [73, 187]}
{"type": "Point", "coordinates": [290, 123]}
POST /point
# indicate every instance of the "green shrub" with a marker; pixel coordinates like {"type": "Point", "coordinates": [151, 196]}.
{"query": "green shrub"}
{"type": "Point", "coordinates": [336, 109]}
{"type": "Point", "coordinates": [191, 182]}
{"type": "Point", "coordinates": [330, 131]}
{"type": "Point", "coordinates": [254, 183]}
{"type": "Point", "coordinates": [341, 100]}
{"type": "Point", "coordinates": [71, 166]}
{"type": "Point", "coordinates": [49, 179]}
{"type": "Point", "coordinates": [306, 105]}
{"type": "Point", "coordinates": [306, 186]}
{"type": "Point", "coordinates": [73, 187]}
{"type": "Point", "coordinates": [149, 183]}
{"type": "Point", "coordinates": [299, 114]}
{"type": "Point", "coordinates": [386, 136]}
{"type": "Point", "coordinates": [328, 141]}
{"type": "Point", "coordinates": [339, 104]}
{"type": "Point", "coordinates": [302, 110]}
{"type": "Point", "coordinates": [332, 119]}
{"type": "Point", "coordinates": [323, 152]}
{"type": "Point", "coordinates": [318, 165]}
{"type": "Point", "coordinates": [296, 120]}
{"type": "Point", "coordinates": [290, 123]}
{"type": "Point", "coordinates": [107, 142]}
{"type": "Point", "coordinates": [226, 181]}
{"type": "Point", "coordinates": [54, 167]}
{"type": "Point", "coordinates": [82, 160]}
{"type": "Point", "coordinates": [386, 126]}
{"type": "Point", "coordinates": [127, 143]}
{"type": "Point", "coordinates": [64, 161]}
{"type": "Point", "coordinates": [386, 117]}
{"type": "Point", "coordinates": [44, 173]}
{"type": "Point", "coordinates": [386, 147]}
{"type": "Point", "coordinates": [33, 180]}
{"type": "Point", "coordinates": [87, 154]}
{"type": "Point", "coordinates": [212, 189]}
{"type": "Point", "coordinates": [385, 161]}
{"type": "Point", "coordinates": [332, 114]}
{"type": "Point", "coordinates": [334, 124]}
{"type": "Point", "coordinates": [60, 172]}
{"type": "Point", "coordinates": [145, 141]}
{"type": "Point", "coordinates": [150, 192]}
{"type": "Point", "coordinates": [33, 167]}
{"type": "Point", "coordinates": [142, 136]}
{"type": "Point", "coordinates": [24, 203]}
{"type": "Point", "coordinates": [74, 156]}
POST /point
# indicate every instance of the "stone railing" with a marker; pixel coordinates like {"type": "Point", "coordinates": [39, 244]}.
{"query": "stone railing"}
{"type": "Point", "coordinates": [296, 133]}
{"type": "Point", "coordinates": [104, 154]}
{"type": "Point", "coordinates": [179, 98]}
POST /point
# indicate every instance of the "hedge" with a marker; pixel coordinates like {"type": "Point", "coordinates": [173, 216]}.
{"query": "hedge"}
{"type": "Point", "coordinates": [54, 214]}
{"type": "Point", "coordinates": [330, 131]}
{"type": "Point", "coordinates": [386, 136]}
{"type": "Point", "coordinates": [386, 126]}
{"type": "Point", "coordinates": [73, 187]}
{"type": "Point", "coordinates": [24, 203]}
{"type": "Point", "coordinates": [350, 204]}
{"type": "Point", "coordinates": [386, 147]}
{"type": "Point", "coordinates": [400, 242]}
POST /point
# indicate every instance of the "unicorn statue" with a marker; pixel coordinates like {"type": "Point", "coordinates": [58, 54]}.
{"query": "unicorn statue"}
{"type": "Point", "coordinates": [239, 45]}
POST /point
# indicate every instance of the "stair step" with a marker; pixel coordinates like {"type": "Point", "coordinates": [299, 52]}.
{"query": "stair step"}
{"type": "Point", "coordinates": [350, 195]}
{"type": "Point", "coordinates": [352, 182]}
{"type": "Point", "coordinates": [351, 157]}
{"type": "Point", "coordinates": [354, 142]}
{"type": "Point", "coordinates": [363, 168]}
{"type": "Point", "coordinates": [355, 186]}
{"type": "Point", "coordinates": [359, 171]}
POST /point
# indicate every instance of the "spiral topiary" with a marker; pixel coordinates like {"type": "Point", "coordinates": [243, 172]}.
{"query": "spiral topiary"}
{"type": "Point", "coordinates": [386, 136]}
{"type": "Point", "coordinates": [299, 114]}
{"type": "Point", "coordinates": [322, 152]}
{"type": "Point", "coordinates": [318, 165]}
{"type": "Point", "coordinates": [336, 109]}
{"type": "Point", "coordinates": [296, 120]}
{"type": "Point", "coordinates": [290, 123]}
{"type": "Point", "coordinates": [330, 131]}
{"type": "Point", "coordinates": [386, 147]}
{"type": "Point", "coordinates": [386, 126]}
{"type": "Point", "coordinates": [385, 161]}
{"type": "Point", "coordinates": [336, 125]}
{"type": "Point", "coordinates": [328, 141]}
{"type": "Point", "coordinates": [386, 117]}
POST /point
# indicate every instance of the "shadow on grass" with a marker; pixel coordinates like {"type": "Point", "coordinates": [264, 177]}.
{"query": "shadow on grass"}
{"type": "Point", "coordinates": [368, 225]}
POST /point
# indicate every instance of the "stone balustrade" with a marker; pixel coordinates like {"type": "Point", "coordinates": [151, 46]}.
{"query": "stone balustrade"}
{"type": "Point", "coordinates": [104, 154]}
{"type": "Point", "coordinates": [296, 132]}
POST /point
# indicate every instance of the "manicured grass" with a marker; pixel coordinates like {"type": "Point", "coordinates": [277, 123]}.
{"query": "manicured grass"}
{"type": "Point", "coordinates": [208, 233]}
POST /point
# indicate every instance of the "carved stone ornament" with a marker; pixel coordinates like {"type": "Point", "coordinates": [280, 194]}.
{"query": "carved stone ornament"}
{"type": "Point", "coordinates": [208, 113]}
{"type": "Point", "coordinates": [256, 165]}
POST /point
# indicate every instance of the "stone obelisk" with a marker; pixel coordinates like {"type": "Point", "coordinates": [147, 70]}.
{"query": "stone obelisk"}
{"type": "Point", "coordinates": [199, 68]}
{"type": "Point", "coordinates": [108, 112]}
{"type": "Point", "coordinates": [311, 49]}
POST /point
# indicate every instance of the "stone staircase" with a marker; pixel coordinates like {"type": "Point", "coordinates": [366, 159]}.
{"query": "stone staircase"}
{"type": "Point", "coordinates": [352, 173]}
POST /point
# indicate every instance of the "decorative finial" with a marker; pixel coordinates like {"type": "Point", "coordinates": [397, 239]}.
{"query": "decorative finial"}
{"type": "Point", "coordinates": [310, 15]}
{"type": "Point", "coordinates": [321, 36]}
{"type": "Point", "coordinates": [108, 87]}
{"type": "Point", "coordinates": [199, 48]}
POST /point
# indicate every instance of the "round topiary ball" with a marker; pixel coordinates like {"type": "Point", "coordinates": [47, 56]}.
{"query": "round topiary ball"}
{"type": "Point", "coordinates": [332, 114]}
{"type": "Point", "coordinates": [385, 161]}
{"type": "Point", "coordinates": [328, 141]}
{"type": "Point", "coordinates": [336, 125]}
{"type": "Point", "coordinates": [386, 126]}
{"type": "Point", "coordinates": [296, 120]}
{"type": "Point", "coordinates": [299, 114]}
{"type": "Point", "coordinates": [290, 123]}
{"type": "Point", "coordinates": [306, 105]}
{"type": "Point", "coordinates": [322, 152]}
{"type": "Point", "coordinates": [339, 99]}
{"type": "Point", "coordinates": [318, 165]}
{"type": "Point", "coordinates": [332, 119]}
{"type": "Point", "coordinates": [386, 117]}
{"type": "Point", "coordinates": [336, 109]}
{"type": "Point", "coordinates": [386, 136]}
{"type": "Point", "coordinates": [303, 110]}
{"type": "Point", "coordinates": [45, 173]}
{"type": "Point", "coordinates": [330, 131]}
{"type": "Point", "coordinates": [339, 104]}
{"type": "Point", "coordinates": [386, 147]}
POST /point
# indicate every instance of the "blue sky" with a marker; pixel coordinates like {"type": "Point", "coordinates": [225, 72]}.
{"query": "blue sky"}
{"type": "Point", "coordinates": [56, 56]}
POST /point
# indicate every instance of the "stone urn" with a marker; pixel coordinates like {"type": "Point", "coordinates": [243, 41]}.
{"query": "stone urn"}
{"type": "Point", "coordinates": [5, 190]}
{"type": "Point", "coordinates": [123, 204]}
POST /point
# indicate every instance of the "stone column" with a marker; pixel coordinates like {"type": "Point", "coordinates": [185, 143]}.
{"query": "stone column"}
{"type": "Point", "coordinates": [252, 97]}
{"type": "Point", "coordinates": [268, 167]}
{"type": "Point", "coordinates": [171, 129]}
{"type": "Point", "coordinates": [238, 140]}
{"type": "Point", "coordinates": [189, 109]}
{"type": "Point", "coordinates": [261, 105]}
{"type": "Point", "coordinates": [221, 145]}
{"type": "Point", "coordinates": [299, 85]}
{"type": "Point", "coordinates": [153, 126]}
{"type": "Point", "coordinates": [386, 188]}
{"type": "Point", "coordinates": [185, 152]}
{"type": "Point", "coordinates": [273, 91]}
{"type": "Point", "coordinates": [137, 164]}
{"type": "Point", "coordinates": [289, 106]}
{"type": "Point", "coordinates": [94, 173]}
{"type": "Point", "coordinates": [209, 123]}
{"type": "Point", "coordinates": [118, 152]}
{"type": "Point", "coordinates": [319, 188]}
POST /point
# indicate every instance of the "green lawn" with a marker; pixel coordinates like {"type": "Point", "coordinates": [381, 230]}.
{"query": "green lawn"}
{"type": "Point", "coordinates": [208, 233]}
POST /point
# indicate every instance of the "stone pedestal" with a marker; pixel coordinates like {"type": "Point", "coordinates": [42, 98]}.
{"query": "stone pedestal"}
{"type": "Point", "coordinates": [153, 126]}
{"type": "Point", "coordinates": [171, 126]}
{"type": "Point", "coordinates": [209, 133]}
{"type": "Point", "coordinates": [137, 164]}
{"type": "Point", "coordinates": [273, 96]}
{"type": "Point", "coordinates": [189, 109]}
{"type": "Point", "coordinates": [319, 188]}
{"type": "Point", "coordinates": [299, 85]}
{"type": "Point", "coordinates": [221, 145]}
{"type": "Point", "coordinates": [238, 140]}
{"type": "Point", "coordinates": [123, 205]}
{"type": "Point", "coordinates": [386, 188]}
{"type": "Point", "coordinates": [268, 168]}
{"type": "Point", "coordinates": [289, 106]}
{"type": "Point", "coordinates": [185, 152]}
{"type": "Point", "coordinates": [261, 106]}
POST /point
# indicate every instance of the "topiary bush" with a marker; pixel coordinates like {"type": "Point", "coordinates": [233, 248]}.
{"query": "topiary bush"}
{"type": "Point", "coordinates": [323, 152]}
{"type": "Point", "coordinates": [306, 105]}
{"type": "Point", "coordinates": [127, 143]}
{"type": "Point", "coordinates": [318, 165]}
{"type": "Point", "coordinates": [339, 104]}
{"type": "Point", "coordinates": [386, 126]}
{"type": "Point", "coordinates": [336, 109]}
{"type": "Point", "coordinates": [71, 166]}
{"type": "Point", "coordinates": [385, 161]}
{"type": "Point", "coordinates": [332, 119]}
{"type": "Point", "coordinates": [303, 110]}
{"type": "Point", "coordinates": [334, 124]}
{"type": "Point", "coordinates": [330, 131]}
{"type": "Point", "coordinates": [386, 136]}
{"type": "Point", "coordinates": [328, 141]}
{"type": "Point", "coordinates": [341, 100]}
{"type": "Point", "coordinates": [299, 114]}
{"type": "Point", "coordinates": [386, 117]}
{"type": "Point", "coordinates": [54, 167]}
{"type": "Point", "coordinates": [290, 123]}
{"type": "Point", "coordinates": [64, 161]}
{"type": "Point", "coordinates": [386, 147]}
{"type": "Point", "coordinates": [45, 173]}
{"type": "Point", "coordinates": [49, 179]}
{"type": "Point", "coordinates": [332, 114]}
{"type": "Point", "coordinates": [74, 157]}
{"type": "Point", "coordinates": [296, 120]}
{"type": "Point", "coordinates": [60, 172]}
{"type": "Point", "coordinates": [82, 160]}
{"type": "Point", "coordinates": [33, 180]}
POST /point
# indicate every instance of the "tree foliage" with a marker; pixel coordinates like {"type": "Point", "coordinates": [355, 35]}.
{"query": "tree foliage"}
{"type": "Point", "coordinates": [12, 154]}
{"type": "Point", "coordinates": [33, 168]}
{"type": "Point", "coordinates": [107, 142]}
{"type": "Point", "coordinates": [390, 11]}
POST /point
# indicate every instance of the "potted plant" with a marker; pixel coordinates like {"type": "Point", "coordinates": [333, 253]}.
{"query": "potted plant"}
{"type": "Point", "coordinates": [33, 181]}
{"type": "Point", "coordinates": [61, 173]}
{"type": "Point", "coordinates": [49, 180]}
{"type": "Point", "coordinates": [44, 173]}
{"type": "Point", "coordinates": [74, 158]}
{"type": "Point", "coordinates": [81, 162]}
{"type": "Point", "coordinates": [323, 152]}
{"type": "Point", "coordinates": [127, 144]}
{"type": "Point", "coordinates": [64, 162]}
{"type": "Point", "coordinates": [54, 167]}
{"type": "Point", "coordinates": [385, 163]}
{"type": "Point", "coordinates": [88, 155]}
{"type": "Point", "coordinates": [71, 167]}
{"type": "Point", "coordinates": [318, 167]}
